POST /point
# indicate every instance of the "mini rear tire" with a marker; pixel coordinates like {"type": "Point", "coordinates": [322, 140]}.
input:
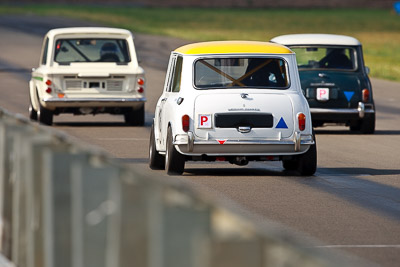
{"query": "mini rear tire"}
{"type": "Point", "coordinates": [174, 161]}
{"type": "Point", "coordinates": [307, 162]}
{"type": "Point", "coordinates": [368, 124]}
{"type": "Point", "coordinates": [290, 165]}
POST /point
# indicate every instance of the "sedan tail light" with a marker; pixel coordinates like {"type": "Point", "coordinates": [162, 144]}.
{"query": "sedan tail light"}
{"type": "Point", "coordinates": [48, 83]}
{"type": "Point", "coordinates": [185, 123]}
{"type": "Point", "coordinates": [140, 85]}
{"type": "Point", "coordinates": [302, 121]}
{"type": "Point", "coordinates": [140, 81]}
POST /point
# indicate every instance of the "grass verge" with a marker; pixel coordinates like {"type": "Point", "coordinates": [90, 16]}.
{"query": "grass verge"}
{"type": "Point", "coordinates": [378, 30]}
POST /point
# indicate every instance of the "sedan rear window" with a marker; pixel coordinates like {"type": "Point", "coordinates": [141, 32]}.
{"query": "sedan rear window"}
{"type": "Point", "coordinates": [254, 72]}
{"type": "Point", "coordinates": [91, 50]}
{"type": "Point", "coordinates": [319, 57]}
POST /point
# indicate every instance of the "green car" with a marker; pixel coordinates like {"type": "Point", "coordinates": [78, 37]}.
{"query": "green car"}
{"type": "Point", "coordinates": [334, 79]}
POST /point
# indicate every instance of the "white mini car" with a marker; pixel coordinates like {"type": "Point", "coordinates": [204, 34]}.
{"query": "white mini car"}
{"type": "Point", "coordinates": [88, 70]}
{"type": "Point", "coordinates": [235, 101]}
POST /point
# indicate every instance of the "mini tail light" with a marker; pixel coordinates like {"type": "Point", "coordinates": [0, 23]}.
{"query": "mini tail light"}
{"type": "Point", "coordinates": [48, 82]}
{"type": "Point", "coordinates": [140, 90]}
{"type": "Point", "coordinates": [302, 121]}
{"type": "Point", "coordinates": [48, 90]}
{"type": "Point", "coordinates": [140, 81]}
{"type": "Point", "coordinates": [185, 123]}
{"type": "Point", "coordinates": [365, 95]}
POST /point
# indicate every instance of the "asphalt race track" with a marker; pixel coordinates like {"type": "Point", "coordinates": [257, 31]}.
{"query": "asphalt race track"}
{"type": "Point", "coordinates": [351, 204]}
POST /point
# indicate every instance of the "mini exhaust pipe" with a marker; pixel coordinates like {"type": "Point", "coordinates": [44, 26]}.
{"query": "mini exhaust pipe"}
{"type": "Point", "coordinates": [241, 161]}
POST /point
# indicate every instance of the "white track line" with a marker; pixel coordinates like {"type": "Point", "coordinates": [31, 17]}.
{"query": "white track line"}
{"type": "Point", "coordinates": [122, 139]}
{"type": "Point", "coordinates": [359, 246]}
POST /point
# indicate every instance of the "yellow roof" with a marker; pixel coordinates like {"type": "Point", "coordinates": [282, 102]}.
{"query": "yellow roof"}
{"type": "Point", "coordinates": [233, 47]}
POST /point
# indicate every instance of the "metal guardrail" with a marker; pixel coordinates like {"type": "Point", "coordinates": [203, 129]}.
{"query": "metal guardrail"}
{"type": "Point", "coordinates": [64, 204]}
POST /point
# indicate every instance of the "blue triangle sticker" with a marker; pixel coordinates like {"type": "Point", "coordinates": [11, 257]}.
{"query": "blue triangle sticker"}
{"type": "Point", "coordinates": [281, 124]}
{"type": "Point", "coordinates": [348, 95]}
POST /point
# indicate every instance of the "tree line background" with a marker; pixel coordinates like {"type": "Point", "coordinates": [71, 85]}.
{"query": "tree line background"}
{"type": "Point", "coordinates": [225, 3]}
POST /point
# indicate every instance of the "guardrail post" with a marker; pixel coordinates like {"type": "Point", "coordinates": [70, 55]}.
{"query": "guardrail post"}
{"type": "Point", "coordinates": [5, 187]}
{"type": "Point", "coordinates": [24, 205]}
{"type": "Point", "coordinates": [166, 227]}
{"type": "Point", "coordinates": [38, 177]}
{"type": "Point", "coordinates": [15, 138]}
{"type": "Point", "coordinates": [92, 211]}
{"type": "Point", "coordinates": [235, 242]}
{"type": "Point", "coordinates": [17, 180]}
{"type": "Point", "coordinates": [130, 232]}
{"type": "Point", "coordinates": [56, 196]}
{"type": "Point", "coordinates": [186, 229]}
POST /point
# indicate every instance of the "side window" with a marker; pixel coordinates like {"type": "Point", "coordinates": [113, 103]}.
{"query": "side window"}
{"type": "Point", "coordinates": [176, 85]}
{"type": "Point", "coordinates": [44, 53]}
{"type": "Point", "coordinates": [170, 73]}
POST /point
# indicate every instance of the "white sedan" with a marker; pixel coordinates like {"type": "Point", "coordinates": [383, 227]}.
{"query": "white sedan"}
{"type": "Point", "coordinates": [88, 70]}
{"type": "Point", "coordinates": [235, 101]}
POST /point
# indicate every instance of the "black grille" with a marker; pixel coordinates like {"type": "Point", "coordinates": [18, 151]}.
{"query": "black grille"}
{"type": "Point", "coordinates": [235, 120]}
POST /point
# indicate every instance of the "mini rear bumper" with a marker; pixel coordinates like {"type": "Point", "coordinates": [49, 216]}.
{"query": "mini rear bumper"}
{"type": "Point", "coordinates": [186, 144]}
{"type": "Point", "coordinates": [341, 114]}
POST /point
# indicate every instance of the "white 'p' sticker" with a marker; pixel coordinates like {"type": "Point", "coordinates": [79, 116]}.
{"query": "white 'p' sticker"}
{"type": "Point", "coordinates": [204, 121]}
{"type": "Point", "coordinates": [323, 94]}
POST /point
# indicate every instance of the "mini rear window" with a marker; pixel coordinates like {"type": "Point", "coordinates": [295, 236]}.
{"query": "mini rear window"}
{"type": "Point", "coordinates": [321, 57]}
{"type": "Point", "coordinates": [239, 72]}
{"type": "Point", "coordinates": [91, 50]}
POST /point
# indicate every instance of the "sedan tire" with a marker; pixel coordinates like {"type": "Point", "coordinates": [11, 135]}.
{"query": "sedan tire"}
{"type": "Point", "coordinates": [135, 117]}
{"type": "Point", "coordinates": [32, 113]}
{"type": "Point", "coordinates": [45, 116]}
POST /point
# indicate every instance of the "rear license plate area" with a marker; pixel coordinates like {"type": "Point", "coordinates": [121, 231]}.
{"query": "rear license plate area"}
{"type": "Point", "coordinates": [235, 120]}
{"type": "Point", "coordinates": [312, 93]}
{"type": "Point", "coordinates": [94, 84]}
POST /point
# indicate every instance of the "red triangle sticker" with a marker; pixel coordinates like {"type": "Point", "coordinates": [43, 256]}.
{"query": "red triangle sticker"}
{"type": "Point", "coordinates": [221, 141]}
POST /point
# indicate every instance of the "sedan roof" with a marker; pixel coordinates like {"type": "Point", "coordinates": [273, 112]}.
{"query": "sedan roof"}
{"type": "Point", "coordinates": [315, 39]}
{"type": "Point", "coordinates": [88, 30]}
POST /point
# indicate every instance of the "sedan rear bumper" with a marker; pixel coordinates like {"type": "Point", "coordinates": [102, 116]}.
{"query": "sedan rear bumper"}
{"type": "Point", "coordinates": [92, 102]}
